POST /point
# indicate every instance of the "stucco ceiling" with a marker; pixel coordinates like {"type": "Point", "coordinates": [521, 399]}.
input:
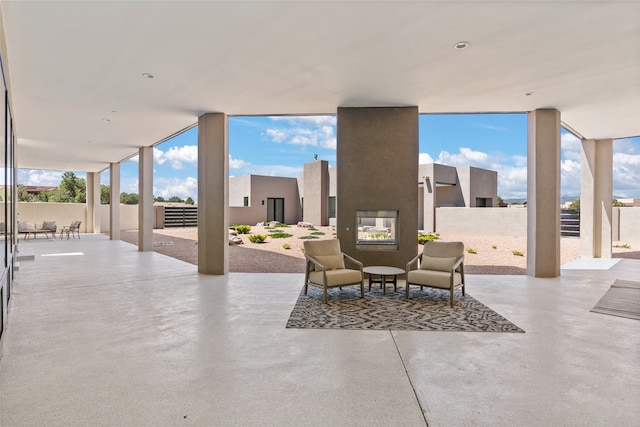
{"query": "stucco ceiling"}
{"type": "Point", "coordinates": [80, 100]}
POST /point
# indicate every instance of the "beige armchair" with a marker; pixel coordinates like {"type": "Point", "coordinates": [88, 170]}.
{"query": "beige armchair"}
{"type": "Point", "coordinates": [440, 265]}
{"type": "Point", "coordinates": [325, 267]}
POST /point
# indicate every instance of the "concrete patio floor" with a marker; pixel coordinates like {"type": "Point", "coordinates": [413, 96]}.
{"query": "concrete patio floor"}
{"type": "Point", "coordinates": [101, 334]}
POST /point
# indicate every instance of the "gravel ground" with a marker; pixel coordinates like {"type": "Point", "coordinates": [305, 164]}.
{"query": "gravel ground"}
{"type": "Point", "coordinates": [493, 254]}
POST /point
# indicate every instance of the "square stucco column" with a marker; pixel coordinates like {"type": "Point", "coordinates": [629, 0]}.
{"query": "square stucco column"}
{"type": "Point", "coordinates": [145, 199]}
{"type": "Point", "coordinates": [93, 202]}
{"type": "Point", "coordinates": [213, 194]}
{"type": "Point", "coordinates": [114, 207]}
{"type": "Point", "coordinates": [595, 198]}
{"type": "Point", "coordinates": [377, 168]}
{"type": "Point", "coordinates": [429, 198]}
{"type": "Point", "coordinates": [316, 192]}
{"type": "Point", "coordinates": [543, 194]}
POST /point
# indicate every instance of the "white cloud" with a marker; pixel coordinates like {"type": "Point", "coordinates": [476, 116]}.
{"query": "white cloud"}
{"type": "Point", "coordinates": [39, 177]}
{"type": "Point", "coordinates": [424, 158]}
{"type": "Point", "coordinates": [237, 163]}
{"type": "Point", "coordinates": [315, 131]}
{"type": "Point", "coordinates": [179, 155]}
{"type": "Point", "coordinates": [180, 187]}
{"type": "Point", "coordinates": [158, 156]}
{"type": "Point", "coordinates": [469, 157]}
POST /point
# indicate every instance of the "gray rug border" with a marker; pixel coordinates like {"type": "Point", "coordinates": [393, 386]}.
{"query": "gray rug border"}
{"type": "Point", "coordinates": [618, 284]}
{"type": "Point", "coordinates": [318, 298]}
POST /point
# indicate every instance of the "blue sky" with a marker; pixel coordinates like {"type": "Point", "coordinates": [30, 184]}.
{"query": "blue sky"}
{"type": "Point", "coordinates": [279, 146]}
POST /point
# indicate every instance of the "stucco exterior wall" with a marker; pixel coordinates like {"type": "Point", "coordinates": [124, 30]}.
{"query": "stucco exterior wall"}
{"type": "Point", "coordinates": [128, 217]}
{"type": "Point", "coordinates": [259, 188]}
{"type": "Point", "coordinates": [482, 221]}
{"type": "Point", "coordinates": [239, 188]}
{"type": "Point", "coordinates": [61, 213]}
{"type": "Point", "coordinates": [483, 184]}
{"type": "Point", "coordinates": [316, 192]}
{"type": "Point", "coordinates": [629, 224]}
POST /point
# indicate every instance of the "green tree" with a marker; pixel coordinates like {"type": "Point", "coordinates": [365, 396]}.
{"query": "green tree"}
{"type": "Point", "coordinates": [23, 196]}
{"type": "Point", "coordinates": [72, 189]}
{"type": "Point", "coordinates": [105, 194]}
{"type": "Point", "coordinates": [575, 204]}
{"type": "Point", "coordinates": [175, 199]}
{"type": "Point", "coordinates": [617, 203]}
{"type": "Point", "coordinates": [189, 201]}
{"type": "Point", "coordinates": [159, 199]}
{"type": "Point", "coordinates": [129, 199]}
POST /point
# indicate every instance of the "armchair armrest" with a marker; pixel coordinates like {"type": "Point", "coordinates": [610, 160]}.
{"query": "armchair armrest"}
{"type": "Point", "coordinates": [353, 260]}
{"type": "Point", "coordinates": [414, 260]}
{"type": "Point", "coordinates": [319, 266]}
{"type": "Point", "coordinates": [457, 264]}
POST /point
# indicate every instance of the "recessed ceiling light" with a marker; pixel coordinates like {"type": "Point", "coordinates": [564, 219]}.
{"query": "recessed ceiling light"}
{"type": "Point", "coordinates": [529, 93]}
{"type": "Point", "coordinates": [461, 45]}
{"type": "Point", "coordinates": [148, 75]}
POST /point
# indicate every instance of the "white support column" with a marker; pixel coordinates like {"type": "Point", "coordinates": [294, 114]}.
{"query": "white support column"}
{"type": "Point", "coordinates": [213, 194]}
{"type": "Point", "coordinates": [543, 193]}
{"type": "Point", "coordinates": [114, 207]}
{"type": "Point", "coordinates": [145, 199]}
{"type": "Point", "coordinates": [93, 202]}
{"type": "Point", "coordinates": [596, 198]}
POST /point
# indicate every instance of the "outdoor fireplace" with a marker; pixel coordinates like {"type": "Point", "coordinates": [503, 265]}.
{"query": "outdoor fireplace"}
{"type": "Point", "coordinates": [377, 229]}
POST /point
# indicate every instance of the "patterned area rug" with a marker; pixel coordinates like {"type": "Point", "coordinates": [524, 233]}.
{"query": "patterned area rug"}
{"type": "Point", "coordinates": [622, 300]}
{"type": "Point", "coordinates": [426, 310]}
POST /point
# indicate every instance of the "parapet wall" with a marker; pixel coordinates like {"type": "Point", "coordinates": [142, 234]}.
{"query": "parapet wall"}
{"type": "Point", "coordinates": [483, 221]}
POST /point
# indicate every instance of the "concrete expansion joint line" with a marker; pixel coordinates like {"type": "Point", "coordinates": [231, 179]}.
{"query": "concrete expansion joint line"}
{"type": "Point", "coordinates": [415, 393]}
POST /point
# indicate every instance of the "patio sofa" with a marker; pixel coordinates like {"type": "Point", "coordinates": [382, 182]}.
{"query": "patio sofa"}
{"type": "Point", "coordinates": [32, 229]}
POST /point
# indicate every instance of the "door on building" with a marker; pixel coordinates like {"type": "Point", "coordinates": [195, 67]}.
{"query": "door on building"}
{"type": "Point", "coordinates": [275, 209]}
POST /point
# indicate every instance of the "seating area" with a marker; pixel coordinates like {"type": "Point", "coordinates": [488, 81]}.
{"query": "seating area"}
{"type": "Point", "coordinates": [33, 229]}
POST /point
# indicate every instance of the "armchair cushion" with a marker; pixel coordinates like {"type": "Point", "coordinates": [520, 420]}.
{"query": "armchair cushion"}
{"type": "Point", "coordinates": [433, 278]}
{"type": "Point", "coordinates": [330, 262]}
{"type": "Point", "coordinates": [49, 225]}
{"type": "Point", "coordinates": [337, 277]}
{"type": "Point", "coordinates": [438, 264]}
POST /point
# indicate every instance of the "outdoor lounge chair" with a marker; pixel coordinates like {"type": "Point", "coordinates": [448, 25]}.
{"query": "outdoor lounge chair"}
{"type": "Point", "coordinates": [73, 230]}
{"type": "Point", "coordinates": [325, 267]}
{"type": "Point", "coordinates": [440, 265]}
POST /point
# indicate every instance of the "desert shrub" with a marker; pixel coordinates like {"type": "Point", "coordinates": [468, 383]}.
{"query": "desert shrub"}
{"type": "Point", "coordinates": [494, 246]}
{"type": "Point", "coordinates": [472, 251]}
{"type": "Point", "coordinates": [257, 238]}
{"type": "Point", "coordinates": [243, 229]}
{"type": "Point", "coordinates": [281, 225]}
{"type": "Point", "coordinates": [312, 229]}
{"type": "Point", "coordinates": [423, 238]}
{"type": "Point", "coordinates": [518, 253]}
{"type": "Point", "coordinates": [280, 235]}
{"type": "Point", "coordinates": [286, 246]}
{"type": "Point", "coordinates": [623, 246]}
{"type": "Point", "coordinates": [308, 237]}
{"type": "Point", "coordinates": [317, 233]}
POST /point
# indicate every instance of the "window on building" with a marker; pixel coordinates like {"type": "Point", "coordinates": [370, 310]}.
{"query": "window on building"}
{"type": "Point", "coordinates": [332, 207]}
{"type": "Point", "coordinates": [246, 201]}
